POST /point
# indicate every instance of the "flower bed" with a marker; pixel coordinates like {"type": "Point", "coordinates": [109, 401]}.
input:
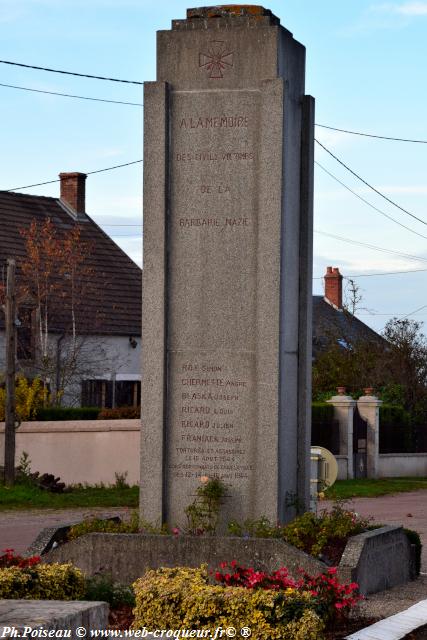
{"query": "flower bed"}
{"type": "Point", "coordinates": [272, 606]}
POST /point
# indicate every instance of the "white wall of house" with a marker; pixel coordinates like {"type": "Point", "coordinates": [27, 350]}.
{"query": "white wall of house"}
{"type": "Point", "coordinates": [103, 358]}
{"type": "Point", "coordinates": [97, 357]}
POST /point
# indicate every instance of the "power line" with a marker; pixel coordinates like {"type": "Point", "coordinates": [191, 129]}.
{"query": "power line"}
{"type": "Point", "coordinates": [371, 135]}
{"type": "Point", "coordinates": [69, 73]}
{"type": "Point", "coordinates": [369, 203]}
{"type": "Point", "coordinates": [88, 173]}
{"type": "Point", "coordinates": [369, 185]}
{"type": "Point", "coordinates": [117, 166]}
{"type": "Point", "coordinates": [413, 312]}
{"type": "Point", "coordinates": [93, 77]}
{"type": "Point", "coordinates": [70, 95]}
{"type": "Point", "coordinates": [374, 313]}
{"type": "Point", "coordinates": [373, 275]}
{"type": "Point", "coordinates": [371, 246]}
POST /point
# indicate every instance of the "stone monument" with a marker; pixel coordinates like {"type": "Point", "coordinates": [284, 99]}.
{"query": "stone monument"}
{"type": "Point", "coordinates": [226, 332]}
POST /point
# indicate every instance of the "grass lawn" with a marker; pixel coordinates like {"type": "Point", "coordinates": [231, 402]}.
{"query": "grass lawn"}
{"type": "Point", "coordinates": [24, 497]}
{"type": "Point", "coordinates": [365, 488]}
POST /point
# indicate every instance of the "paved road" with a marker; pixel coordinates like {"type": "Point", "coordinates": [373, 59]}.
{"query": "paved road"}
{"type": "Point", "coordinates": [18, 529]}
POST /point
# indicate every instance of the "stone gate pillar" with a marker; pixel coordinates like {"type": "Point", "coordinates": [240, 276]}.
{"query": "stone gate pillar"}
{"type": "Point", "coordinates": [343, 412]}
{"type": "Point", "coordinates": [369, 409]}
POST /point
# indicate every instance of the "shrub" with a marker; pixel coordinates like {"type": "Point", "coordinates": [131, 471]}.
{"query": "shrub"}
{"type": "Point", "coordinates": [67, 413]}
{"type": "Point", "coordinates": [120, 413]}
{"type": "Point", "coordinates": [99, 525]}
{"type": "Point", "coordinates": [30, 397]}
{"type": "Point", "coordinates": [330, 598]}
{"type": "Point", "coordinates": [323, 535]}
{"type": "Point", "coordinates": [42, 582]}
{"type": "Point", "coordinates": [203, 513]}
{"type": "Point", "coordinates": [181, 598]}
{"type": "Point", "coordinates": [115, 525]}
{"type": "Point", "coordinates": [260, 528]}
{"type": "Point", "coordinates": [102, 588]}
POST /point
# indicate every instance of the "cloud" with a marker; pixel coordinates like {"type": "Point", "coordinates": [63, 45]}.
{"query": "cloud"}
{"type": "Point", "coordinates": [409, 9]}
{"type": "Point", "coordinates": [412, 9]}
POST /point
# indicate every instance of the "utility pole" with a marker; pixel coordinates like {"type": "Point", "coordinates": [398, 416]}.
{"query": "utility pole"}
{"type": "Point", "coordinates": [9, 431]}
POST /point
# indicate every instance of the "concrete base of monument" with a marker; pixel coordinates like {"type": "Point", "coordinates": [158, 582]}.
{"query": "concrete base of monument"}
{"type": "Point", "coordinates": [376, 560]}
{"type": "Point", "coordinates": [16, 616]}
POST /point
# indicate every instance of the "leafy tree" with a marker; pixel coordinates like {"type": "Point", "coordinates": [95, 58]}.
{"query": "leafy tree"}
{"type": "Point", "coordinates": [406, 363]}
{"type": "Point", "coordinates": [55, 279]}
{"type": "Point", "coordinates": [396, 368]}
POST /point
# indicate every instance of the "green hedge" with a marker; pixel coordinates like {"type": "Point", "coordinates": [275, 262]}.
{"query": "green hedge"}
{"type": "Point", "coordinates": [394, 415]}
{"type": "Point", "coordinates": [322, 412]}
{"type": "Point", "coordinates": [68, 413]}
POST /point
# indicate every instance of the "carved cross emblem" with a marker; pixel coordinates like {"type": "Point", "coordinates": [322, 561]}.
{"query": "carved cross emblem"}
{"type": "Point", "coordinates": [216, 60]}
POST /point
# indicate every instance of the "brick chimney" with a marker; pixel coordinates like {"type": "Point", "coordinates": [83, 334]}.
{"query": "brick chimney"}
{"type": "Point", "coordinates": [73, 190]}
{"type": "Point", "coordinates": [333, 286]}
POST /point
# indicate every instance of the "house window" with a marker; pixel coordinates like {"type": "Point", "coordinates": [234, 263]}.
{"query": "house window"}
{"type": "Point", "coordinates": [108, 394]}
{"type": "Point", "coordinates": [25, 335]}
{"type": "Point", "coordinates": [97, 393]}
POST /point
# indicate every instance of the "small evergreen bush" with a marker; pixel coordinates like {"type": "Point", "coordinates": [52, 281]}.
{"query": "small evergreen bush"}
{"type": "Point", "coordinates": [67, 413]}
{"type": "Point", "coordinates": [42, 582]}
{"type": "Point", "coordinates": [103, 588]}
{"type": "Point", "coordinates": [181, 598]}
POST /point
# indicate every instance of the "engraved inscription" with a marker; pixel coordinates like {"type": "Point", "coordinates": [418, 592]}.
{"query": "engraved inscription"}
{"type": "Point", "coordinates": [214, 122]}
{"type": "Point", "coordinates": [216, 59]}
{"type": "Point", "coordinates": [208, 439]}
{"type": "Point", "coordinates": [207, 188]}
{"type": "Point", "coordinates": [212, 156]}
{"type": "Point", "coordinates": [211, 353]}
{"type": "Point", "coordinates": [211, 223]}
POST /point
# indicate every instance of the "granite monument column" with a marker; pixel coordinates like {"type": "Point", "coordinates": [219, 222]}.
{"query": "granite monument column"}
{"type": "Point", "coordinates": [226, 334]}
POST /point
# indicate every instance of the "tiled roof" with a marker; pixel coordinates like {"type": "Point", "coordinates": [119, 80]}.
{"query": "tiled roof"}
{"type": "Point", "coordinates": [113, 306]}
{"type": "Point", "coordinates": [331, 325]}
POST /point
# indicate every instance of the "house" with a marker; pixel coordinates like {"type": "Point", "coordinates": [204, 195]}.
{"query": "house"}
{"type": "Point", "coordinates": [332, 323]}
{"type": "Point", "coordinates": [92, 345]}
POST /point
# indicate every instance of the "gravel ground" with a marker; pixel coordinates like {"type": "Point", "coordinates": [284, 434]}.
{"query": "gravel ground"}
{"type": "Point", "coordinates": [387, 603]}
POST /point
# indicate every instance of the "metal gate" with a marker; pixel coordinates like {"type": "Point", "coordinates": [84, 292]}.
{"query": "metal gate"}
{"type": "Point", "coordinates": [360, 445]}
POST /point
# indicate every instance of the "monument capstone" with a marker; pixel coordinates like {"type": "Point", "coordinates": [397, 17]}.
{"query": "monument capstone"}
{"type": "Point", "coordinates": [226, 333]}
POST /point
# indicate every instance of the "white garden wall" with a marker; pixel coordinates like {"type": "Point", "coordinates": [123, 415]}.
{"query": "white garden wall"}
{"type": "Point", "coordinates": [80, 450]}
{"type": "Point", "coordinates": [400, 465]}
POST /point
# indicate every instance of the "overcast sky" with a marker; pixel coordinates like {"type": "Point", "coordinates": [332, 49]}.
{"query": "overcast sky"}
{"type": "Point", "coordinates": [366, 67]}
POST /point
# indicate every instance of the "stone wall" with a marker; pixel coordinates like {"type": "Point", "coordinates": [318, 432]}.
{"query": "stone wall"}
{"type": "Point", "coordinates": [128, 556]}
{"type": "Point", "coordinates": [376, 560]}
